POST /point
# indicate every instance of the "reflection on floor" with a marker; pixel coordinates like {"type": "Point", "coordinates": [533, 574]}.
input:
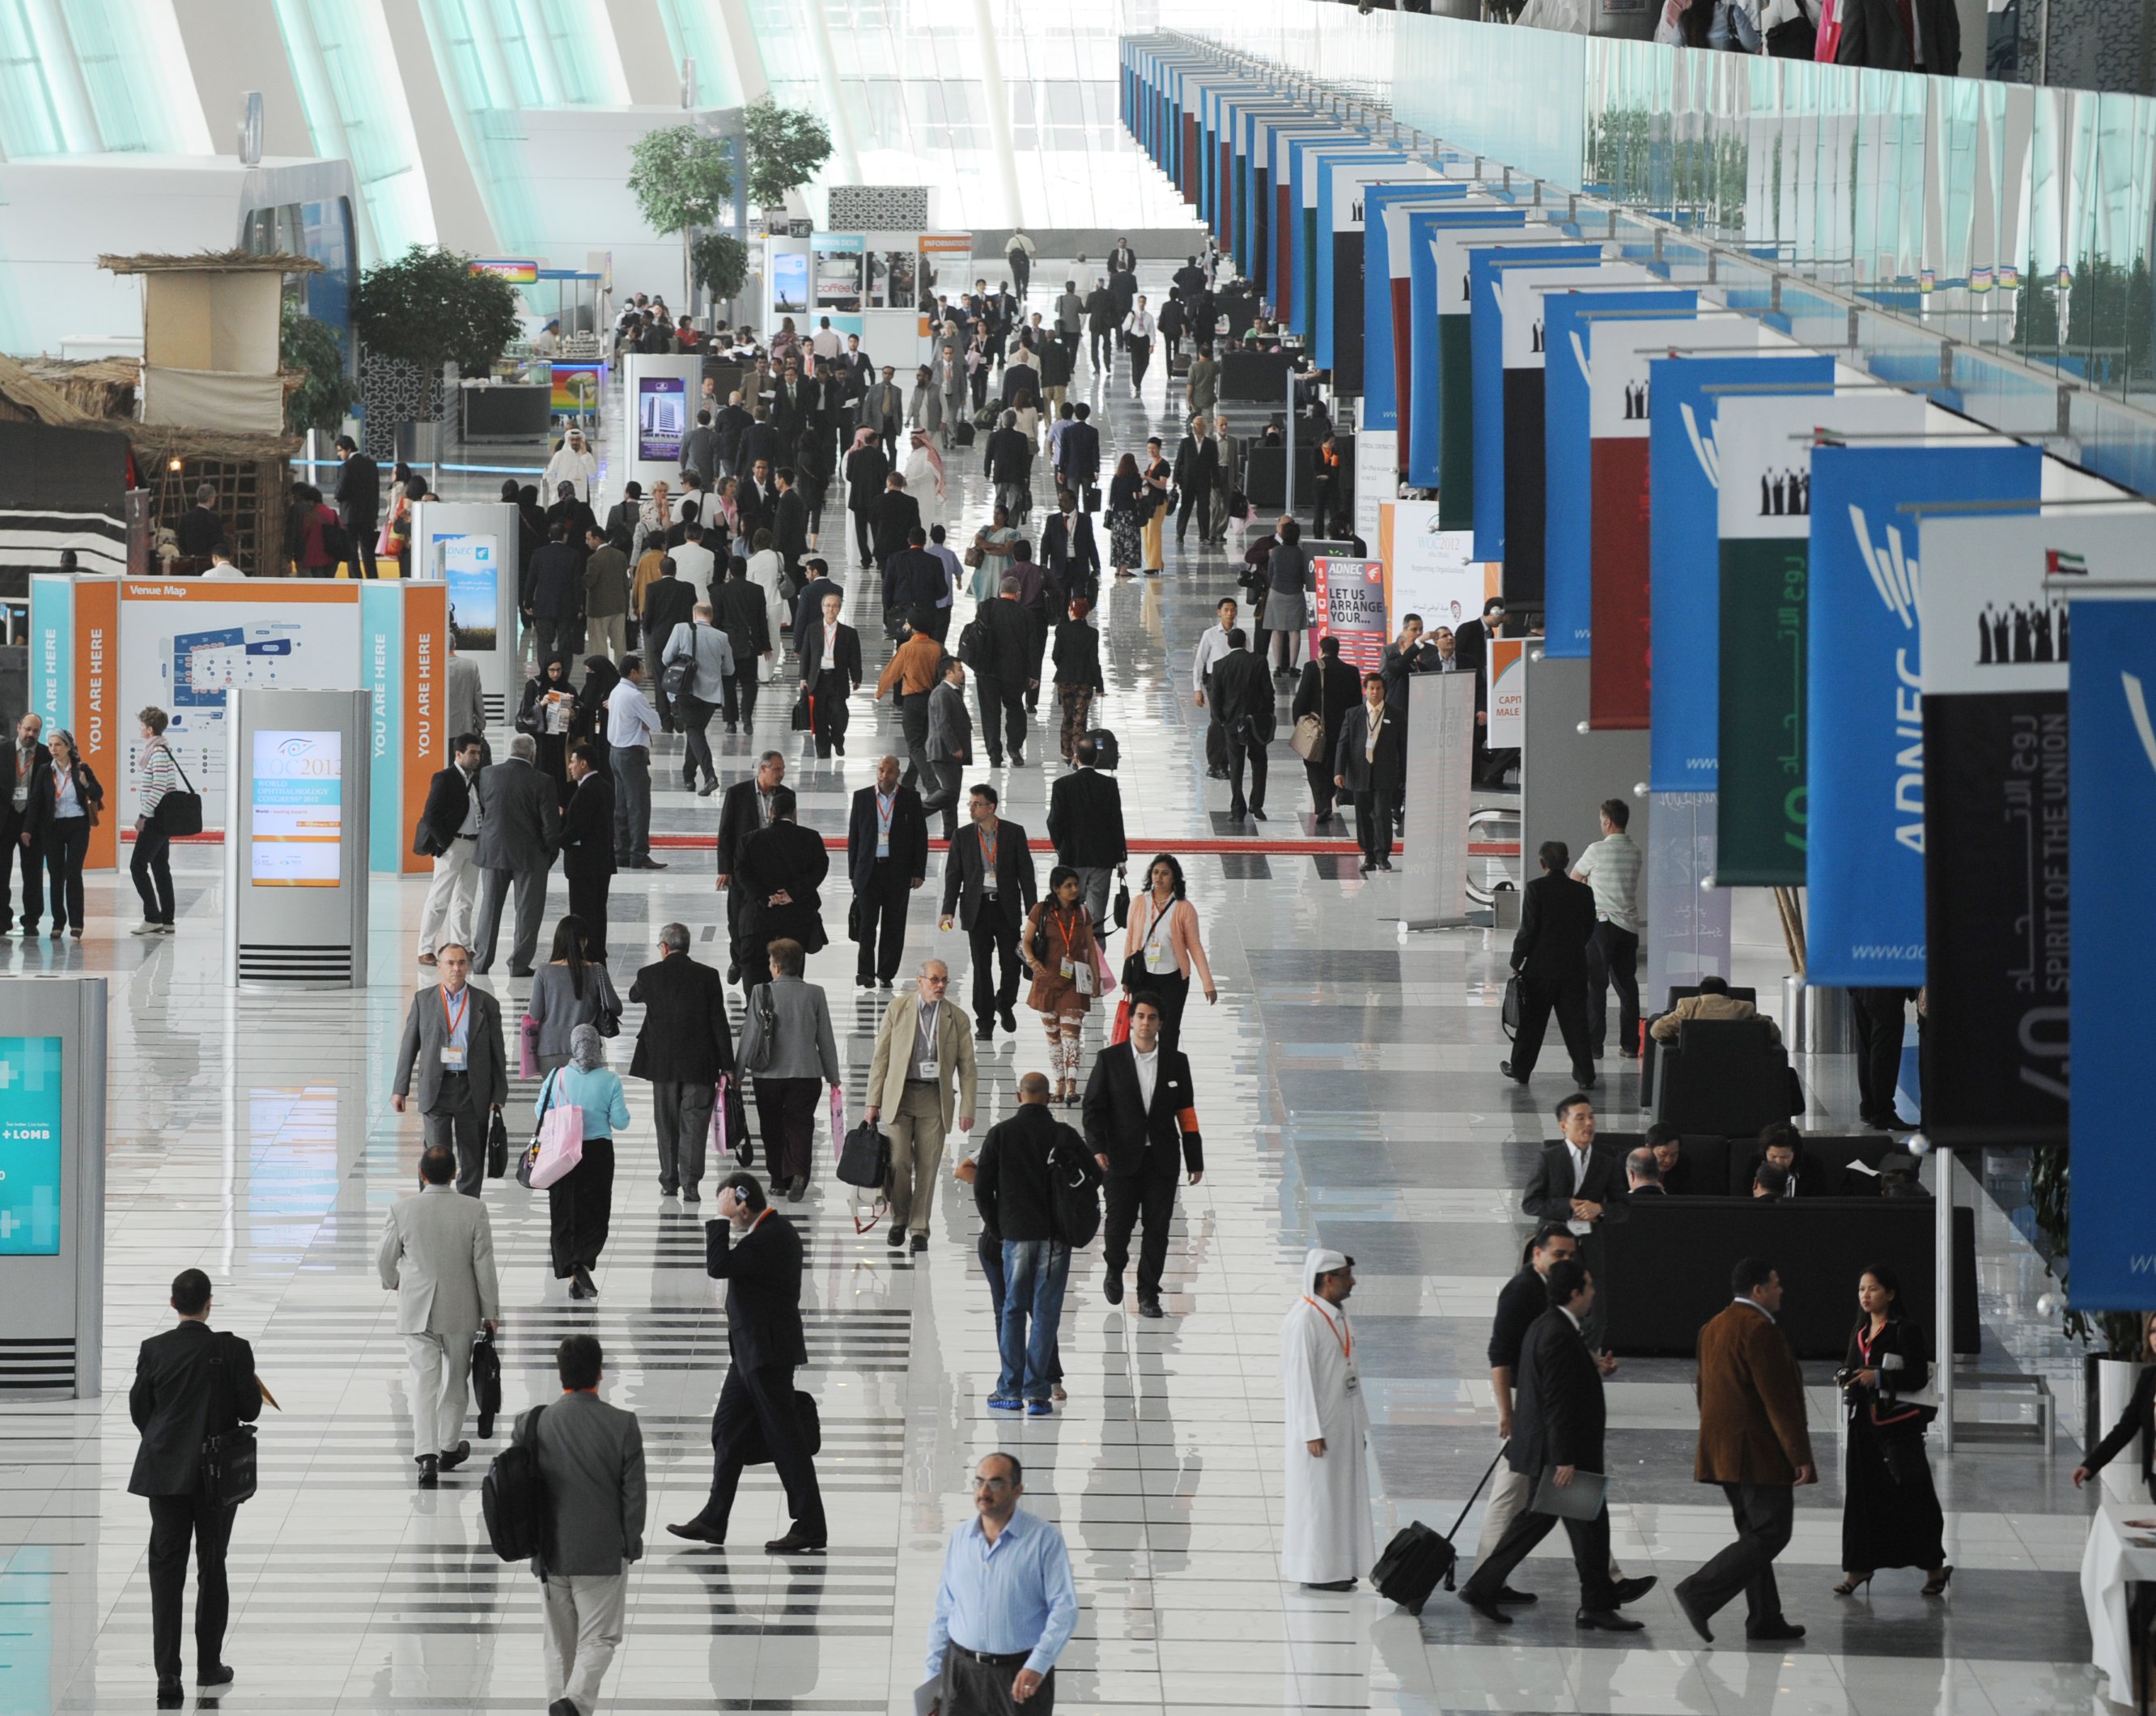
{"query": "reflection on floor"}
{"type": "Point", "coordinates": [1348, 1092]}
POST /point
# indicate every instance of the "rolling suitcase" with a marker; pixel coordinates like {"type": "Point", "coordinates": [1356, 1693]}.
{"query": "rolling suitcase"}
{"type": "Point", "coordinates": [1417, 1559]}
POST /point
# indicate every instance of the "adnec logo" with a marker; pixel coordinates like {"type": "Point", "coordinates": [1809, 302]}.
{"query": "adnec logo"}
{"type": "Point", "coordinates": [1579, 355]}
{"type": "Point", "coordinates": [1895, 575]}
{"type": "Point", "coordinates": [1703, 447]}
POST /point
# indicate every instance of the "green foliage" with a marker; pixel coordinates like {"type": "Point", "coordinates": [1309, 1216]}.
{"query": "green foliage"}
{"type": "Point", "coordinates": [427, 307]}
{"type": "Point", "coordinates": [720, 263]}
{"type": "Point", "coordinates": [681, 179]}
{"type": "Point", "coordinates": [311, 347]}
{"type": "Point", "coordinates": [2051, 1182]}
{"type": "Point", "coordinates": [786, 145]}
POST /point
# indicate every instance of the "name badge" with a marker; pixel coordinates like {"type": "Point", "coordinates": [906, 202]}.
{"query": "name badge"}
{"type": "Point", "coordinates": [1354, 1379]}
{"type": "Point", "coordinates": [925, 1070]}
{"type": "Point", "coordinates": [453, 1059]}
{"type": "Point", "coordinates": [1066, 968]}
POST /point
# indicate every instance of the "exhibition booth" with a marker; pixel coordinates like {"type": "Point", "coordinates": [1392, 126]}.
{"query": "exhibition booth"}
{"type": "Point", "coordinates": [868, 283]}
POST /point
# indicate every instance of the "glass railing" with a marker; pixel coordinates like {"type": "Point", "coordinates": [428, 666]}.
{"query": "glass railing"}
{"type": "Point", "coordinates": [1992, 241]}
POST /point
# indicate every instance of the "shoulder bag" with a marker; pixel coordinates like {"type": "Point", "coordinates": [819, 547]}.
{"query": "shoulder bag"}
{"type": "Point", "coordinates": [228, 1466]}
{"type": "Point", "coordinates": [757, 1058]}
{"type": "Point", "coordinates": [558, 1141]}
{"type": "Point", "coordinates": [1307, 741]}
{"type": "Point", "coordinates": [179, 812]}
{"type": "Point", "coordinates": [674, 678]}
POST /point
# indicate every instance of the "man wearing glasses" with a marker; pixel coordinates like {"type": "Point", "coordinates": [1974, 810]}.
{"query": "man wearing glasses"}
{"type": "Point", "coordinates": [1005, 1608]}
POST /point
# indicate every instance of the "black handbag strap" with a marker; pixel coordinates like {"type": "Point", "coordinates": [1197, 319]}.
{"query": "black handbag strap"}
{"type": "Point", "coordinates": [176, 769]}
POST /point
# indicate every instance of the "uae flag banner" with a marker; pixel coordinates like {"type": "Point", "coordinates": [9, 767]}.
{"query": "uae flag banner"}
{"type": "Point", "coordinates": [1997, 886]}
{"type": "Point", "coordinates": [1763, 451]}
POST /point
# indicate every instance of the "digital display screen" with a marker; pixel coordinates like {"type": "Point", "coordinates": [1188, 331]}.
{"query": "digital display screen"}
{"type": "Point", "coordinates": [789, 282]}
{"type": "Point", "coordinates": [662, 416]}
{"type": "Point", "coordinates": [296, 840]}
{"type": "Point", "coordinates": [29, 1147]}
{"type": "Point", "coordinates": [467, 564]}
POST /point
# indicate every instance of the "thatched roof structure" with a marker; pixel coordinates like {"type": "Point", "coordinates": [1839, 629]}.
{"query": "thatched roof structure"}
{"type": "Point", "coordinates": [55, 392]}
{"type": "Point", "coordinates": [103, 387]}
{"type": "Point", "coordinates": [25, 398]}
{"type": "Point", "coordinates": [211, 262]}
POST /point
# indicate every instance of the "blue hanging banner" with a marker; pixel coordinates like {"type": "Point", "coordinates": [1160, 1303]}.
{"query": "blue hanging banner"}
{"type": "Point", "coordinates": [2110, 719]}
{"type": "Point", "coordinates": [1864, 862]}
{"type": "Point", "coordinates": [1341, 190]}
{"type": "Point", "coordinates": [1380, 384]}
{"type": "Point", "coordinates": [1439, 337]}
{"type": "Point", "coordinates": [1567, 559]}
{"type": "Point", "coordinates": [1684, 400]}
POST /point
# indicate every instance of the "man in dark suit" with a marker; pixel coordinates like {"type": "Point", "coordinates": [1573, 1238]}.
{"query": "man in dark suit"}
{"type": "Point", "coordinates": [741, 611]}
{"type": "Point", "coordinates": [1085, 825]}
{"type": "Point", "coordinates": [1583, 1187]}
{"type": "Point", "coordinates": [201, 528]}
{"type": "Point", "coordinates": [451, 1050]}
{"type": "Point", "coordinates": [790, 406]}
{"type": "Point", "coordinates": [669, 601]}
{"type": "Point", "coordinates": [1197, 463]}
{"type": "Point", "coordinates": [448, 833]}
{"type": "Point", "coordinates": [1754, 1443]}
{"type": "Point", "coordinates": [1068, 549]}
{"type": "Point", "coordinates": [520, 828]}
{"type": "Point", "coordinates": [783, 868]}
{"type": "Point", "coordinates": [1549, 955]}
{"type": "Point", "coordinates": [29, 760]}
{"type": "Point", "coordinates": [1248, 711]}
{"type": "Point", "coordinates": [914, 581]}
{"type": "Point", "coordinates": [587, 857]}
{"type": "Point", "coordinates": [1370, 761]}
{"type": "Point", "coordinates": [789, 526]}
{"type": "Point", "coordinates": [830, 673]}
{"type": "Point", "coordinates": [808, 605]}
{"type": "Point", "coordinates": [758, 1253]}
{"type": "Point", "coordinates": [887, 859]}
{"type": "Point", "coordinates": [744, 810]}
{"type": "Point", "coordinates": [1558, 1428]}
{"type": "Point", "coordinates": [896, 516]}
{"type": "Point", "coordinates": [191, 1383]}
{"type": "Point", "coordinates": [682, 1047]}
{"type": "Point", "coordinates": [1008, 668]}
{"type": "Point", "coordinates": [1141, 1126]}
{"type": "Point", "coordinates": [1078, 454]}
{"type": "Point", "coordinates": [883, 409]}
{"type": "Point", "coordinates": [989, 882]}
{"type": "Point", "coordinates": [359, 500]}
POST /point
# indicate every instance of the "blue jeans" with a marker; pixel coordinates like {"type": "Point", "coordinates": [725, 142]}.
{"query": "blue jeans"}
{"type": "Point", "coordinates": [1035, 1272]}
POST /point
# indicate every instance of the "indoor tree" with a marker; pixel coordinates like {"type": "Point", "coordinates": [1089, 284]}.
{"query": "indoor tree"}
{"type": "Point", "coordinates": [429, 307]}
{"type": "Point", "coordinates": [786, 146]}
{"type": "Point", "coordinates": [309, 348]}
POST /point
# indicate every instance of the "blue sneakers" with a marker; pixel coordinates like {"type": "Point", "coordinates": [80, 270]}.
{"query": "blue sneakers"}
{"type": "Point", "coordinates": [1003, 1403]}
{"type": "Point", "coordinates": [1038, 1408]}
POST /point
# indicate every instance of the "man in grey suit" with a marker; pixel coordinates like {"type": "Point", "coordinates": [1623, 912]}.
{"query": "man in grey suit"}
{"type": "Point", "coordinates": [591, 1459]}
{"type": "Point", "coordinates": [453, 1043]}
{"type": "Point", "coordinates": [520, 830]}
{"type": "Point", "coordinates": [467, 701]}
{"type": "Point", "coordinates": [438, 1257]}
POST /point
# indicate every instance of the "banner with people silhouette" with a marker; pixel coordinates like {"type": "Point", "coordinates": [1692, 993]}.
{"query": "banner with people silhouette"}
{"type": "Point", "coordinates": [1864, 866]}
{"type": "Point", "coordinates": [1441, 386]}
{"type": "Point", "coordinates": [1763, 618]}
{"type": "Point", "coordinates": [1998, 636]}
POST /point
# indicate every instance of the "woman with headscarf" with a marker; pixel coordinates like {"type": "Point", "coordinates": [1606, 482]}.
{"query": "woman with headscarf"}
{"type": "Point", "coordinates": [549, 712]}
{"type": "Point", "coordinates": [601, 676]}
{"type": "Point", "coordinates": [924, 409]}
{"type": "Point", "coordinates": [866, 471]}
{"type": "Point", "coordinates": [580, 1203]}
{"type": "Point", "coordinates": [924, 479]}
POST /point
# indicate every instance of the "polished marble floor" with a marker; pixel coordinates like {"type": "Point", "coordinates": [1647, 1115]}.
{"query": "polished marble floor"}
{"type": "Point", "coordinates": [1347, 1088]}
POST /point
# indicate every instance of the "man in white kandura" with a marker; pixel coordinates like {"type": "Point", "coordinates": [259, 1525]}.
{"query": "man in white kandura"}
{"type": "Point", "coordinates": [1327, 1538]}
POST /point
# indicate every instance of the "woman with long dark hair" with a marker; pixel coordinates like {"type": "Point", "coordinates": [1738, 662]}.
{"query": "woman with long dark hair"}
{"type": "Point", "coordinates": [1161, 948]}
{"type": "Point", "coordinates": [1057, 945]}
{"type": "Point", "coordinates": [65, 806]}
{"type": "Point", "coordinates": [572, 990]}
{"type": "Point", "coordinates": [1126, 525]}
{"type": "Point", "coordinates": [1890, 1512]}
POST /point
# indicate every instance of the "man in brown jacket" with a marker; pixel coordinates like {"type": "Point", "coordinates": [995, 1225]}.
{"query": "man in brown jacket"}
{"type": "Point", "coordinates": [1752, 1443]}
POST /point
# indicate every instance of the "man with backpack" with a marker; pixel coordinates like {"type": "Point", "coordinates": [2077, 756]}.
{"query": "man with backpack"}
{"type": "Point", "coordinates": [573, 1482]}
{"type": "Point", "coordinates": [1036, 1184]}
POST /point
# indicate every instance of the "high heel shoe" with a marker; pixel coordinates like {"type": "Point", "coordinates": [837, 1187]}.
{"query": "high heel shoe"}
{"type": "Point", "coordinates": [1936, 1585]}
{"type": "Point", "coordinates": [1850, 1582]}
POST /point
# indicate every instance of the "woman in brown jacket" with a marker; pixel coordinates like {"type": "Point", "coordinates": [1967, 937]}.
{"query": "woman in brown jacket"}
{"type": "Point", "coordinates": [1057, 947]}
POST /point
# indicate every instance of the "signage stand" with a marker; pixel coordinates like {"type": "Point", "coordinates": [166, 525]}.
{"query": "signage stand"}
{"type": "Point", "coordinates": [1440, 796]}
{"type": "Point", "coordinates": [295, 833]}
{"type": "Point", "coordinates": [472, 547]}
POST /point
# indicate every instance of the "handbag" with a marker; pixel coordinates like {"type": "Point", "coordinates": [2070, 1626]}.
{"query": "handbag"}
{"type": "Point", "coordinates": [1106, 983]}
{"type": "Point", "coordinates": [804, 711]}
{"type": "Point", "coordinates": [1121, 913]}
{"type": "Point", "coordinates": [527, 1047]}
{"type": "Point", "coordinates": [1120, 1031]}
{"type": "Point", "coordinates": [729, 1122]}
{"type": "Point", "coordinates": [497, 1151]}
{"type": "Point", "coordinates": [179, 812]}
{"type": "Point", "coordinates": [767, 1024]}
{"type": "Point", "coordinates": [557, 1143]}
{"type": "Point", "coordinates": [229, 1468]}
{"type": "Point", "coordinates": [974, 555]}
{"type": "Point", "coordinates": [1308, 739]}
{"type": "Point", "coordinates": [486, 1380]}
{"type": "Point", "coordinates": [864, 1158]}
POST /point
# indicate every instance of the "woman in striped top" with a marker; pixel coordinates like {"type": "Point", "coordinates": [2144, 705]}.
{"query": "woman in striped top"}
{"type": "Point", "coordinates": [156, 774]}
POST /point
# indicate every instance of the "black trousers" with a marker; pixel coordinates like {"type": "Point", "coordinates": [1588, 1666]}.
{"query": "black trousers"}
{"type": "Point", "coordinates": [1373, 824]}
{"type": "Point", "coordinates": [151, 868]}
{"type": "Point", "coordinates": [993, 937]}
{"type": "Point", "coordinates": [1141, 352]}
{"type": "Point", "coordinates": [740, 696]}
{"type": "Point", "coordinates": [587, 900]}
{"type": "Point", "coordinates": [1102, 347]}
{"type": "Point", "coordinates": [1173, 989]}
{"type": "Point", "coordinates": [1323, 794]}
{"type": "Point", "coordinates": [1216, 736]}
{"type": "Point", "coordinates": [883, 905]}
{"type": "Point", "coordinates": [1021, 268]}
{"type": "Point", "coordinates": [1540, 997]}
{"type": "Point", "coordinates": [913, 723]}
{"type": "Point", "coordinates": [1240, 750]}
{"type": "Point", "coordinates": [969, 1687]}
{"type": "Point", "coordinates": [1590, 1555]}
{"type": "Point", "coordinates": [579, 1208]}
{"type": "Point", "coordinates": [1880, 1018]}
{"type": "Point", "coordinates": [1329, 506]}
{"type": "Point", "coordinates": [32, 858]}
{"type": "Point", "coordinates": [694, 718]}
{"type": "Point", "coordinates": [827, 705]}
{"type": "Point", "coordinates": [786, 1115]}
{"type": "Point", "coordinates": [174, 1521]}
{"type": "Point", "coordinates": [861, 542]}
{"type": "Point", "coordinates": [756, 1414]}
{"type": "Point", "coordinates": [1765, 1515]}
{"type": "Point", "coordinates": [1002, 703]}
{"type": "Point", "coordinates": [1128, 1200]}
{"type": "Point", "coordinates": [1200, 498]}
{"type": "Point", "coordinates": [1613, 957]}
{"type": "Point", "coordinates": [65, 849]}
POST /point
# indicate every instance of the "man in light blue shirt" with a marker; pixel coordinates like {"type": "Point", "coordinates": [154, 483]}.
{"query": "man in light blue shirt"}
{"type": "Point", "coordinates": [1006, 1604]}
{"type": "Point", "coordinates": [631, 720]}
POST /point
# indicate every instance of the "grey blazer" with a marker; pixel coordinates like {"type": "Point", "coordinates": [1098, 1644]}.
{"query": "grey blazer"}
{"type": "Point", "coordinates": [558, 1008]}
{"type": "Point", "coordinates": [519, 817]}
{"type": "Point", "coordinates": [801, 1043]}
{"type": "Point", "coordinates": [703, 641]}
{"type": "Point", "coordinates": [950, 724]}
{"type": "Point", "coordinates": [425, 1032]}
{"type": "Point", "coordinates": [591, 1456]}
{"type": "Point", "coordinates": [438, 1257]}
{"type": "Point", "coordinates": [467, 709]}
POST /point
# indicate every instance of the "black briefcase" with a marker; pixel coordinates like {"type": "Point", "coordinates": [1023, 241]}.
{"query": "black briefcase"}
{"type": "Point", "coordinates": [485, 1382]}
{"type": "Point", "coordinates": [497, 1151]}
{"type": "Point", "coordinates": [756, 1451]}
{"type": "Point", "coordinates": [865, 1158]}
{"type": "Point", "coordinates": [1508, 1015]}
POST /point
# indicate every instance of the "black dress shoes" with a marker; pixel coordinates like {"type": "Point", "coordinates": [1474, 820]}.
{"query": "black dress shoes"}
{"type": "Point", "coordinates": [215, 1678]}
{"type": "Point", "coordinates": [1605, 1620]}
{"type": "Point", "coordinates": [1691, 1611]}
{"type": "Point", "coordinates": [1111, 1287]}
{"type": "Point", "coordinates": [895, 1239]}
{"type": "Point", "coordinates": [1149, 1305]}
{"type": "Point", "coordinates": [171, 1695]}
{"type": "Point", "coordinates": [1506, 1067]}
{"type": "Point", "coordinates": [1775, 1632]}
{"type": "Point", "coordinates": [1509, 1595]}
{"type": "Point", "coordinates": [429, 1467]}
{"type": "Point", "coordinates": [794, 1544]}
{"type": "Point", "coordinates": [696, 1534]}
{"type": "Point", "coordinates": [1630, 1591]}
{"type": "Point", "coordinates": [451, 1458]}
{"type": "Point", "coordinates": [1485, 1606]}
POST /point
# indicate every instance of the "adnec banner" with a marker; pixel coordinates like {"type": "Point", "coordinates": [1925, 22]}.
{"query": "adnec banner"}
{"type": "Point", "coordinates": [1763, 451]}
{"type": "Point", "coordinates": [1622, 648]}
{"type": "Point", "coordinates": [1567, 550]}
{"type": "Point", "coordinates": [1342, 293]}
{"type": "Point", "coordinates": [1864, 866]}
{"type": "Point", "coordinates": [1684, 395]}
{"type": "Point", "coordinates": [1438, 305]}
{"type": "Point", "coordinates": [2111, 717]}
{"type": "Point", "coordinates": [1474, 438]}
{"type": "Point", "coordinates": [1350, 605]}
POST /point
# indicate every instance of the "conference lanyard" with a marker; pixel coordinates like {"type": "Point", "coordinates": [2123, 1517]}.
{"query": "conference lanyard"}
{"type": "Point", "coordinates": [1353, 1382]}
{"type": "Point", "coordinates": [987, 837]}
{"type": "Point", "coordinates": [1865, 1342]}
{"type": "Point", "coordinates": [454, 1022]}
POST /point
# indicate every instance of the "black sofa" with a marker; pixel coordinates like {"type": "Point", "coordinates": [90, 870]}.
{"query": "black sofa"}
{"type": "Point", "coordinates": [1725, 1076]}
{"type": "Point", "coordinates": [1651, 1050]}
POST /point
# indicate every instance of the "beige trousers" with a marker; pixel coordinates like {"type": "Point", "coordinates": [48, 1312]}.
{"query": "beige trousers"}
{"type": "Point", "coordinates": [917, 1153]}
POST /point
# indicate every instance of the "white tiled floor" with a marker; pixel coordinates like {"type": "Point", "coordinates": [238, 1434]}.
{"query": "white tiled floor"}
{"type": "Point", "coordinates": [252, 1136]}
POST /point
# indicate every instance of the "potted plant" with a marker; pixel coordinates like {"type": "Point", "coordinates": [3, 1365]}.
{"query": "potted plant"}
{"type": "Point", "coordinates": [309, 349]}
{"type": "Point", "coordinates": [427, 309]}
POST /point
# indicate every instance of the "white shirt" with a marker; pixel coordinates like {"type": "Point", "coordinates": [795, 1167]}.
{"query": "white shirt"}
{"type": "Point", "coordinates": [1138, 324]}
{"type": "Point", "coordinates": [692, 564]}
{"type": "Point", "coordinates": [630, 718]}
{"type": "Point", "coordinates": [1580, 1159]}
{"type": "Point", "coordinates": [1149, 1066]}
{"type": "Point", "coordinates": [824, 343]}
{"type": "Point", "coordinates": [886, 804]}
{"type": "Point", "coordinates": [1212, 645]}
{"type": "Point", "coordinates": [830, 645]}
